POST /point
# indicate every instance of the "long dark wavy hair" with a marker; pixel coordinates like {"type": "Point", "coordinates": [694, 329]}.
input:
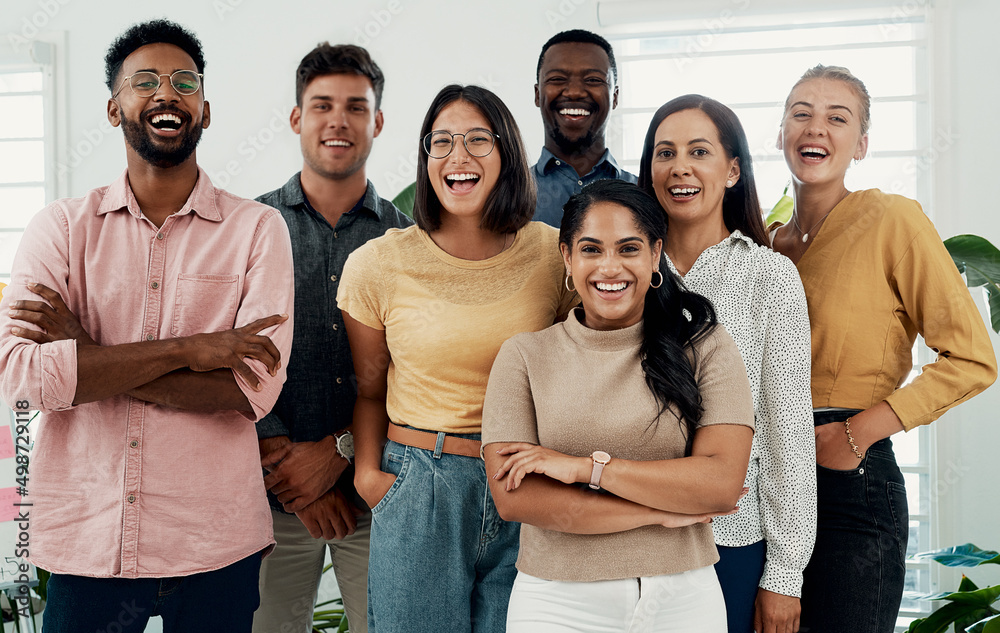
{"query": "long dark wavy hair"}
{"type": "Point", "coordinates": [740, 205]}
{"type": "Point", "coordinates": [674, 319]}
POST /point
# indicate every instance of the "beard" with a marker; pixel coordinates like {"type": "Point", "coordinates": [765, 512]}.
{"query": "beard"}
{"type": "Point", "coordinates": [141, 140]}
{"type": "Point", "coordinates": [570, 146]}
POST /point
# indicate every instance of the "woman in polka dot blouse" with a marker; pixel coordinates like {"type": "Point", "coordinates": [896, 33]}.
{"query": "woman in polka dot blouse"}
{"type": "Point", "coordinates": [696, 161]}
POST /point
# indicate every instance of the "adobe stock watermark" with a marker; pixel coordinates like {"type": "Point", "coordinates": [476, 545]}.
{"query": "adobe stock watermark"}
{"type": "Point", "coordinates": [713, 29]}
{"type": "Point", "coordinates": [93, 137]}
{"type": "Point", "coordinates": [251, 147]}
{"type": "Point", "coordinates": [563, 11]}
{"type": "Point", "coordinates": [380, 20]}
{"type": "Point", "coordinates": [901, 14]}
{"type": "Point", "coordinates": [22, 544]}
{"type": "Point", "coordinates": [32, 25]}
{"type": "Point", "coordinates": [223, 8]}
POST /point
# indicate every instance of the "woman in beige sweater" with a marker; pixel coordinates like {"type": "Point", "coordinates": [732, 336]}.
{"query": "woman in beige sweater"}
{"type": "Point", "coordinates": [639, 397]}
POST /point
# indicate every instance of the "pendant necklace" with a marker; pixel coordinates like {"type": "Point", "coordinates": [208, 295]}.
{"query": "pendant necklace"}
{"type": "Point", "coordinates": [805, 236]}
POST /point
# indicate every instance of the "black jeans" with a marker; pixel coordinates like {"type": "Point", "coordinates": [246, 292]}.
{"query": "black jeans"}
{"type": "Point", "coordinates": [209, 602]}
{"type": "Point", "coordinates": [854, 580]}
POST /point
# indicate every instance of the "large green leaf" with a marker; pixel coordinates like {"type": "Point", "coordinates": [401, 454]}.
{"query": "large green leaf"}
{"type": "Point", "coordinates": [989, 624]}
{"type": "Point", "coordinates": [939, 621]}
{"type": "Point", "coordinates": [404, 199]}
{"type": "Point", "coordinates": [781, 211]}
{"type": "Point", "coordinates": [967, 555]}
{"type": "Point", "coordinates": [969, 620]}
{"type": "Point", "coordinates": [980, 261]}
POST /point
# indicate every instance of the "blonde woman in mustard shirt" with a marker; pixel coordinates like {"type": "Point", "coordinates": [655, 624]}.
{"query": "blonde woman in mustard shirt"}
{"type": "Point", "coordinates": [875, 275]}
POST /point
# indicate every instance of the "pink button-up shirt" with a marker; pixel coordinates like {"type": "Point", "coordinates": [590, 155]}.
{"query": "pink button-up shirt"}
{"type": "Point", "coordinates": [121, 487]}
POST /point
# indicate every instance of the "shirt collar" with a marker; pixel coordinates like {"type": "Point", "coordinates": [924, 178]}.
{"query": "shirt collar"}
{"type": "Point", "coordinates": [202, 201]}
{"type": "Point", "coordinates": [292, 196]}
{"type": "Point", "coordinates": [546, 163]}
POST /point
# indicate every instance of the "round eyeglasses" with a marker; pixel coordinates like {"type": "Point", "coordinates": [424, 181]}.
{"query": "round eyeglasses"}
{"type": "Point", "coordinates": [478, 142]}
{"type": "Point", "coordinates": [146, 83]}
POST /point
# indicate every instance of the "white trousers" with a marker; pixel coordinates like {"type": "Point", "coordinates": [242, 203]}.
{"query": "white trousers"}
{"type": "Point", "coordinates": [290, 576]}
{"type": "Point", "coordinates": [688, 602]}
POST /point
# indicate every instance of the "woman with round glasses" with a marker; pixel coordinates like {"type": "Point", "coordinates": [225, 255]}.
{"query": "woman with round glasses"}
{"type": "Point", "coordinates": [426, 309]}
{"type": "Point", "coordinates": [875, 275]}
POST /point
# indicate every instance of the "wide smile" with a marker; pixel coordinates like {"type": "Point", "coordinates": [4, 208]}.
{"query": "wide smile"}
{"type": "Point", "coordinates": [463, 182]}
{"type": "Point", "coordinates": [575, 113]}
{"type": "Point", "coordinates": [611, 289]}
{"type": "Point", "coordinates": [683, 193]}
{"type": "Point", "coordinates": [337, 143]}
{"type": "Point", "coordinates": [813, 154]}
{"type": "Point", "coordinates": [166, 124]}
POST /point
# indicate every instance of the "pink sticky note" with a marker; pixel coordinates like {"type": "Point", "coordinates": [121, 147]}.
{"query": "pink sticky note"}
{"type": "Point", "coordinates": [6, 442]}
{"type": "Point", "coordinates": [8, 497]}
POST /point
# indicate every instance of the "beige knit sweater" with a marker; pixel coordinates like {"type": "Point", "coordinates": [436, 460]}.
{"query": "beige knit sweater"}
{"type": "Point", "coordinates": [578, 390]}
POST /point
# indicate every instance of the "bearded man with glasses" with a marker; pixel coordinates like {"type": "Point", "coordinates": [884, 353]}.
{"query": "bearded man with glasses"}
{"type": "Point", "coordinates": [149, 320]}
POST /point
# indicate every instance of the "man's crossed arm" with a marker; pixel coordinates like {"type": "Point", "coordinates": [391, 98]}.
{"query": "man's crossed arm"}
{"type": "Point", "coordinates": [192, 372]}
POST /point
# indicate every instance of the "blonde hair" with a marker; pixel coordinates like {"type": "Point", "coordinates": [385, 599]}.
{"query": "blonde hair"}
{"type": "Point", "coordinates": [839, 73]}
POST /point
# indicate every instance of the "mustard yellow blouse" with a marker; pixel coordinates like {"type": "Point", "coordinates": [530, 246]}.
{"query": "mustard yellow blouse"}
{"type": "Point", "coordinates": [875, 276]}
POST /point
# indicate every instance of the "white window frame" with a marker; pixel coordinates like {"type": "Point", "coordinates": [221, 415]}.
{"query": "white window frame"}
{"type": "Point", "coordinates": [48, 57]}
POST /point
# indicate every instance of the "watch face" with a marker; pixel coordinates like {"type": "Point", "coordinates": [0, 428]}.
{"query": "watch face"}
{"type": "Point", "coordinates": [345, 445]}
{"type": "Point", "coordinates": [601, 457]}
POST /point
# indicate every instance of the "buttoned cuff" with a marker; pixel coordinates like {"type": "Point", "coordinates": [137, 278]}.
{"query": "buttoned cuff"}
{"type": "Point", "coordinates": [779, 579]}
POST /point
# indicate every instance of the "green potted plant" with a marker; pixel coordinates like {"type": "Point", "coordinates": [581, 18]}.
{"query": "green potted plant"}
{"type": "Point", "coordinates": [969, 609]}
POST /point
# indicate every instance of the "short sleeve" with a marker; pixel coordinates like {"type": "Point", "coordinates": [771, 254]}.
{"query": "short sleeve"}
{"type": "Point", "coordinates": [362, 292]}
{"type": "Point", "coordinates": [722, 381]}
{"type": "Point", "coordinates": [509, 409]}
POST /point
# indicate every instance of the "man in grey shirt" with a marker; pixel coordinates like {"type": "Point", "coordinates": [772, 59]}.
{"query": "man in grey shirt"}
{"type": "Point", "coordinates": [576, 91]}
{"type": "Point", "coordinates": [305, 442]}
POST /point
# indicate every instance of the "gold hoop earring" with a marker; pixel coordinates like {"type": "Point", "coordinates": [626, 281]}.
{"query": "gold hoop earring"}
{"type": "Point", "coordinates": [566, 282]}
{"type": "Point", "coordinates": [651, 280]}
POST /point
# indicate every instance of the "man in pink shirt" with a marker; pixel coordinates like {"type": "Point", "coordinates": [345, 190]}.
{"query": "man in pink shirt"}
{"type": "Point", "coordinates": [149, 321]}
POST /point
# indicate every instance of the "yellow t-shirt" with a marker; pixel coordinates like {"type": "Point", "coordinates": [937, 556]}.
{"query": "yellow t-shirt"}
{"type": "Point", "coordinates": [445, 318]}
{"type": "Point", "coordinates": [875, 276]}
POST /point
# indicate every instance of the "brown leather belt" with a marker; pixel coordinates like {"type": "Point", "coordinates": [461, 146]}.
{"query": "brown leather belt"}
{"type": "Point", "coordinates": [427, 440]}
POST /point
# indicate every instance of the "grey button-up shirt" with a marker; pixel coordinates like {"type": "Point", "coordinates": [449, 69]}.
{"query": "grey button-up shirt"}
{"type": "Point", "coordinates": [318, 397]}
{"type": "Point", "coordinates": [557, 180]}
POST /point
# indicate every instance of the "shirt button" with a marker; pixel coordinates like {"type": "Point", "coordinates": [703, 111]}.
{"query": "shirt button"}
{"type": "Point", "coordinates": [333, 278]}
{"type": "Point", "coordinates": [133, 443]}
{"type": "Point", "coordinates": [579, 182]}
{"type": "Point", "coordinates": [131, 498]}
{"type": "Point", "coordinates": [339, 380]}
{"type": "Point", "coordinates": [150, 337]}
{"type": "Point", "coordinates": [335, 327]}
{"type": "Point", "coordinates": [159, 236]}
{"type": "Point", "coordinates": [335, 235]}
{"type": "Point", "coordinates": [558, 162]}
{"type": "Point", "coordinates": [154, 285]}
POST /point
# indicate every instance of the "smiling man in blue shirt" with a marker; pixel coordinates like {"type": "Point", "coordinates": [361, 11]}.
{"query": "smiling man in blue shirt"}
{"type": "Point", "coordinates": [576, 91]}
{"type": "Point", "coordinates": [305, 443]}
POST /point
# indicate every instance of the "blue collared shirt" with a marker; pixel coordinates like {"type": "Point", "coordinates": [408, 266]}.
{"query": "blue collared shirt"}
{"type": "Point", "coordinates": [318, 397]}
{"type": "Point", "coordinates": [557, 180]}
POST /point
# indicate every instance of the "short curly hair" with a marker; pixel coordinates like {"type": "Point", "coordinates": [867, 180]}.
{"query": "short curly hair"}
{"type": "Point", "coordinates": [151, 32]}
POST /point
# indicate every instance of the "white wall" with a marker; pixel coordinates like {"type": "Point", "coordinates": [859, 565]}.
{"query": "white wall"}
{"type": "Point", "coordinates": [253, 47]}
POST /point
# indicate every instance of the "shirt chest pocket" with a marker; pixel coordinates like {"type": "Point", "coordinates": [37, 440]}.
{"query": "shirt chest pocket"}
{"type": "Point", "coordinates": [204, 303]}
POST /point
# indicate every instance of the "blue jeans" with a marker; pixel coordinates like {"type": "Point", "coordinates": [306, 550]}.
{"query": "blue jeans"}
{"type": "Point", "coordinates": [854, 580]}
{"type": "Point", "coordinates": [739, 570]}
{"type": "Point", "coordinates": [220, 600]}
{"type": "Point", "coordinates": [441, 558]}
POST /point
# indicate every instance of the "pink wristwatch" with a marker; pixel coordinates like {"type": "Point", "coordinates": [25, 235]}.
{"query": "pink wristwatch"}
{"type": "Point", "coordinates": [601, 460]}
